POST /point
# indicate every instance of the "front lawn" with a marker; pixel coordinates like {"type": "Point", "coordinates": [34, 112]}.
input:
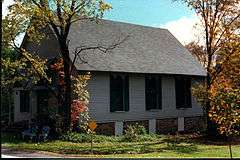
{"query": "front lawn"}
{"type": "Point", "coordinates": [157, 146]}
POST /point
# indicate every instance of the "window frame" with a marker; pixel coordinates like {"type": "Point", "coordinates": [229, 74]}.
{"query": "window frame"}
{"type": "Point", "coordinates": [124, 92]}
{"type": "Point", "coordinates": [187, 97]}
{"type": "Point", "coordinates": [158, 92]}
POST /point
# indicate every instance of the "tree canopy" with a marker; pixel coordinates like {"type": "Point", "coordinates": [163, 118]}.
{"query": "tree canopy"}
{"type": "Point", "coordinates": [220, 20]}
{"type": "Point", "coordinates": [30, 17]}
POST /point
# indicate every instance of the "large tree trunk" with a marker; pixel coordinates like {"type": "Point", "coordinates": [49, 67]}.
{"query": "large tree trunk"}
{"type": "Point", "coordinates": [211, 126]}
{"type": "Point", "coordinates": [67, 89]}
{"type": "Point", "coordinates": [67, 96]}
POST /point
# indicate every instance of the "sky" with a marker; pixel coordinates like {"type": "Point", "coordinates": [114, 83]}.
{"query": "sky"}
{"type": "Point", "coordinates": [172, 15]}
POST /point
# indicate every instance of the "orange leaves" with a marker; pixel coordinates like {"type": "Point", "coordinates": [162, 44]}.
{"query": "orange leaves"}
{"type": "Point", "coordinates": [57, 66]}
{"type": "Point", "coordinates": [225, 110]}
{"type": "Point", "coordinates": [77, 107]}
{"type": "Point", "coordinates": [225, 91]}
{"type": "Point", "coordinates": [59, 69]}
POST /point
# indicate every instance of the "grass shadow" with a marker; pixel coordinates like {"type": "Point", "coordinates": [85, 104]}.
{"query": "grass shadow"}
{"type": "Point", "coordinates": [14, 138]}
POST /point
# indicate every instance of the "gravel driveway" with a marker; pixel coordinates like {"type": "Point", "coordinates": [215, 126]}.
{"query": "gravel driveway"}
{"type": "Point", "coordinates": [10, 153]}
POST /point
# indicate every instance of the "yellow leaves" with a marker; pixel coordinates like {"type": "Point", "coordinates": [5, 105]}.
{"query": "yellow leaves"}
{"type": "Point", "coordinates": [225, 110]}
{"type": "Point", "coordinates": [210, 115]}
{"type": "Point", "coordinates": [199, 92]}
{"type": "Point", "coordinates": [225, 92]}
{"type": "Point", "coordinates": [80, 87]}
{"type": "Point", "coordinates": [38, 65]}
{"type": "Point", "coordinates": [25, 67]}
{"type": "Point", "coordinates": [104, 6]}
{"type": "Point", "coordinates": [9, 69]}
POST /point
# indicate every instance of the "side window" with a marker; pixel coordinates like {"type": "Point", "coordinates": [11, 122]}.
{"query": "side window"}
{"type": "Point", "coordinates": [119, 92]}
{"type": "Point", "coordinates": [153, 92]}
{"type": "Point", "coordinates": [183, 92]}
{"type": "Point", "coordinates": [24, 101]}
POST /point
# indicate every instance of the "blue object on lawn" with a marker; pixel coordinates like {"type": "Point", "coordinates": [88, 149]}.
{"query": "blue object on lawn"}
{"type": "Point", "coordinates": [44, 133]}
{"type": "Point", "coordinates": [31, 132]}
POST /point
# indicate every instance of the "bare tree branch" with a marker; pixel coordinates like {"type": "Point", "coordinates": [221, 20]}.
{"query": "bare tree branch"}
{"type": "Point", "coordinates": [101, 48]}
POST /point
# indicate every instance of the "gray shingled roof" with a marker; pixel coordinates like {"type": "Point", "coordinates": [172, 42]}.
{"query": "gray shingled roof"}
{"type": "Point", "coordinates": [145, 50]}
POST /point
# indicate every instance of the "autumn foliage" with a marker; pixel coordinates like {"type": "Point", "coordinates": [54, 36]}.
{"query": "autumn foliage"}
{"type": "Point", "coordinates": [219, 55]}
{"type": "Point", "coordinates": [225, 96]}
{"type": "Point", "coordinates": [58, 68]}
{"type": "Point", "coordinates": [79, 110]}
{"type": "Point", "coordinates": [32, 17]}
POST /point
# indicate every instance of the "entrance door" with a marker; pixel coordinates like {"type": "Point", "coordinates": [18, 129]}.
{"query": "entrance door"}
{"type": "Point", "coordinates": [42, 101]}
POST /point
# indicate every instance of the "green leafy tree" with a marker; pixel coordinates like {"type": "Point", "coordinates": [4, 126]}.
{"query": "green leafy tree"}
{"type": "Point", "coordinates": [31, 16]}
{"type": "Point", "coordinates": [6, 86]}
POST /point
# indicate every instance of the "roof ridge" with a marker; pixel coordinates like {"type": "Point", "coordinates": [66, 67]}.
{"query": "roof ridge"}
{"type": "Point", "coordinates": [133, 24]}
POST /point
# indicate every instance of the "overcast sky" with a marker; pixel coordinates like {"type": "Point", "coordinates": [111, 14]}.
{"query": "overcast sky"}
{"type": "Point", "coordinates": [174, 16]}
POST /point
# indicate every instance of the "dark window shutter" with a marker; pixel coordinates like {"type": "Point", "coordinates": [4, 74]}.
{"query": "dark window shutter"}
{"type": "Point", "coordinates": [147, 93]}
{"type": "Point", "coordinates": [112, 94]}
{"type": "Point", "coordinates": [42, 101]}
{"type": "Point", "coordinates": [119, 93]}
{"type": "Point", "coordinates": [183, 92]}
{"type": "Point", "coordinates": [188, 93]}
{"type": "Point", "coordinates": [126, 94]}
{"type": "Point", "coordinates": [150, 92]}
{"type": "Point", "coordinates": [24, 101]}
{"type": "Point", "coordinates": [179, 91]}
{"type": "Point", "coordinates": [159, 93]}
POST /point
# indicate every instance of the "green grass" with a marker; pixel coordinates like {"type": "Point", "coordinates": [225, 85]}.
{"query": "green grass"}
{"type": "Point", "coordinates": [160, 146]}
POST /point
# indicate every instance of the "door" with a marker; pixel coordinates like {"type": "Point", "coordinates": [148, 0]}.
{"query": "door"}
{"type": "Point", "coordinates": [42, 101]}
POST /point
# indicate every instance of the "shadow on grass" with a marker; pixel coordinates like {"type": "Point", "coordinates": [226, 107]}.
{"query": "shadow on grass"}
{"type": "Point", "coordinates": [14, 138]}
{"type": "Point", "coordinates": [134, 148]}
{"type": "Point", "coordinates": [201, 140]}
{"type": "Point", "coordinates": [118, 148]}
{"type": "Point", "coordinates": [179, 144]}
{"type": "Point", "coordinates": [179, 148]}
{"type": "Point", "coordinates": [100, 148]}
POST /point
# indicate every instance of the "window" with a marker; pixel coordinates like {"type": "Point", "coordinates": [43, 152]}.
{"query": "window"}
{"type": "Point", "coordinates": [183, 92]}
{"type": "Point", "coordinates": [153, 92]}
{"type": "Point", "coordinates": [119, 92]}
{"type": "Point", "coordinates": [24, 101]}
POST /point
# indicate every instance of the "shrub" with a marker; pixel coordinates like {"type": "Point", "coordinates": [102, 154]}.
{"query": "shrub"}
{"type": "Point", "coordinates": [133, 132]}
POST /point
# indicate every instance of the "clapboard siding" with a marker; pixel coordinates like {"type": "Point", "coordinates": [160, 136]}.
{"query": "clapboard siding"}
{"type": "Point", "coordinates": [99, 107]}
{"type": "Point", "coordinates": [20, 116]}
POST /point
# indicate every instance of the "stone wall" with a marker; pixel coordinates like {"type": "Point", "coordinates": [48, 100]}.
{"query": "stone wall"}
{"type": "Point", "coordinates": [192, 124]}
{"type": "Point", "coordinates": [106, 128]}
{"type": "Point", "coordinates": [165, 126]}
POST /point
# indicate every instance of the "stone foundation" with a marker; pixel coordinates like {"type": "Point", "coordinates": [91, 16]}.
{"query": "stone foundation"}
{"type": "Point", "coordinates": [143, 123]}
{"type": "Point", "coordinates": [106, 128]}
{"type": "Point", "coordinates": [165, 126]}
{"type": "Point", "coordinates": [192, 124]}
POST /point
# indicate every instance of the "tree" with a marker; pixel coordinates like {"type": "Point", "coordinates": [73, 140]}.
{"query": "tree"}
{"type": "Point", "coordinates": [7, 57]}
{"type": "Point", "coordinates": [199, 52]}
{"type": "Point", "coordinates": [218, 19]}
{"type": "Point", "coordinates": [225, 90]}
{"type": "Point", "coordinates": [31, 16]}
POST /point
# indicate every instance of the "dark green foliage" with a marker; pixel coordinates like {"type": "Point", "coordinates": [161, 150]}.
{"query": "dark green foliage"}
{"type": "Point", "coordinates": [86, 138]}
